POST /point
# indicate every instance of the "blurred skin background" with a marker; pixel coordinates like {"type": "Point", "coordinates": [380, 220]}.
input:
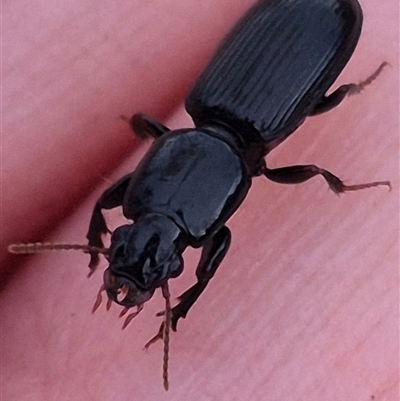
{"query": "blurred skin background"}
{"type": "Point", "coordinates": [305, 305]}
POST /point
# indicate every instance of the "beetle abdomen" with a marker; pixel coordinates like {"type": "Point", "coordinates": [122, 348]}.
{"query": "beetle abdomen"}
{"type": "Point", "coordinates": [276, 65]}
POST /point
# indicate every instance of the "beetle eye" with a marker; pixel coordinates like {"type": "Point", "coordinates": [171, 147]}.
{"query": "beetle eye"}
{"type": "Point", "coordinates": [119, 253]}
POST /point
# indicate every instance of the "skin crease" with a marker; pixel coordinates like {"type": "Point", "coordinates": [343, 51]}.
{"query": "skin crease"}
{"type": "Point", "coordinates": [305, 305]}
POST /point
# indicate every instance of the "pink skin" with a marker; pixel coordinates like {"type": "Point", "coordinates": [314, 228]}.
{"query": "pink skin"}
{"type": "Point", "coordinates": [305, 305]}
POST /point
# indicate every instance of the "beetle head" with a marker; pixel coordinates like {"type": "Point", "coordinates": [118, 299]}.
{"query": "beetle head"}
{"type": "Point", "coordinates": [142, 257]}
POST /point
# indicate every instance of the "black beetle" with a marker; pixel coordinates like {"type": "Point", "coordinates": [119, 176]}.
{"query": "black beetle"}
{"type": "Point", "coordinates": [270, 73]}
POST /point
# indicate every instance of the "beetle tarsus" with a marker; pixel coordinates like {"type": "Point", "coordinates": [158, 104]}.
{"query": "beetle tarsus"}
{"type": "Point", "coordinates": [355, 89]}
{"type": "Point", "coordinates": [346, 188]}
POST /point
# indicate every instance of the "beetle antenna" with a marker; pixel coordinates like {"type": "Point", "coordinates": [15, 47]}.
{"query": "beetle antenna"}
{"type": "Point", "coordinates": [37, 247]}
{"type": "Point", "coordinates": [166, 328]}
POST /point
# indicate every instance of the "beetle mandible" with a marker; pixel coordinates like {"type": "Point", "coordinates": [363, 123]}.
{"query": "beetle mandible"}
{"type": "Point", "coordinates": [270, 73]}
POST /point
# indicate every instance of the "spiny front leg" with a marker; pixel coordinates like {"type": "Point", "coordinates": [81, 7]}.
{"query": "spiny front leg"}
{"type": "Point", "coordinates": [110, 199]}
{"type": "Point", "coordinates": [212, 255]}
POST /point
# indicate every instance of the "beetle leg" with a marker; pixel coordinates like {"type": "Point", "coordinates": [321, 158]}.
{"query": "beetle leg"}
{"type": "Point", "coordinates": [329, 102]}
{"type": "Point", "coordinates": [299, 174]}
{"type": "Point", "coordinates": [110, 199]}
{"type": "Point", "coordinates": [145, 126]}
{"type": "Point", "coordinates": [211, 257]}
{"type": "Point", "coordinates": [158, 336]}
